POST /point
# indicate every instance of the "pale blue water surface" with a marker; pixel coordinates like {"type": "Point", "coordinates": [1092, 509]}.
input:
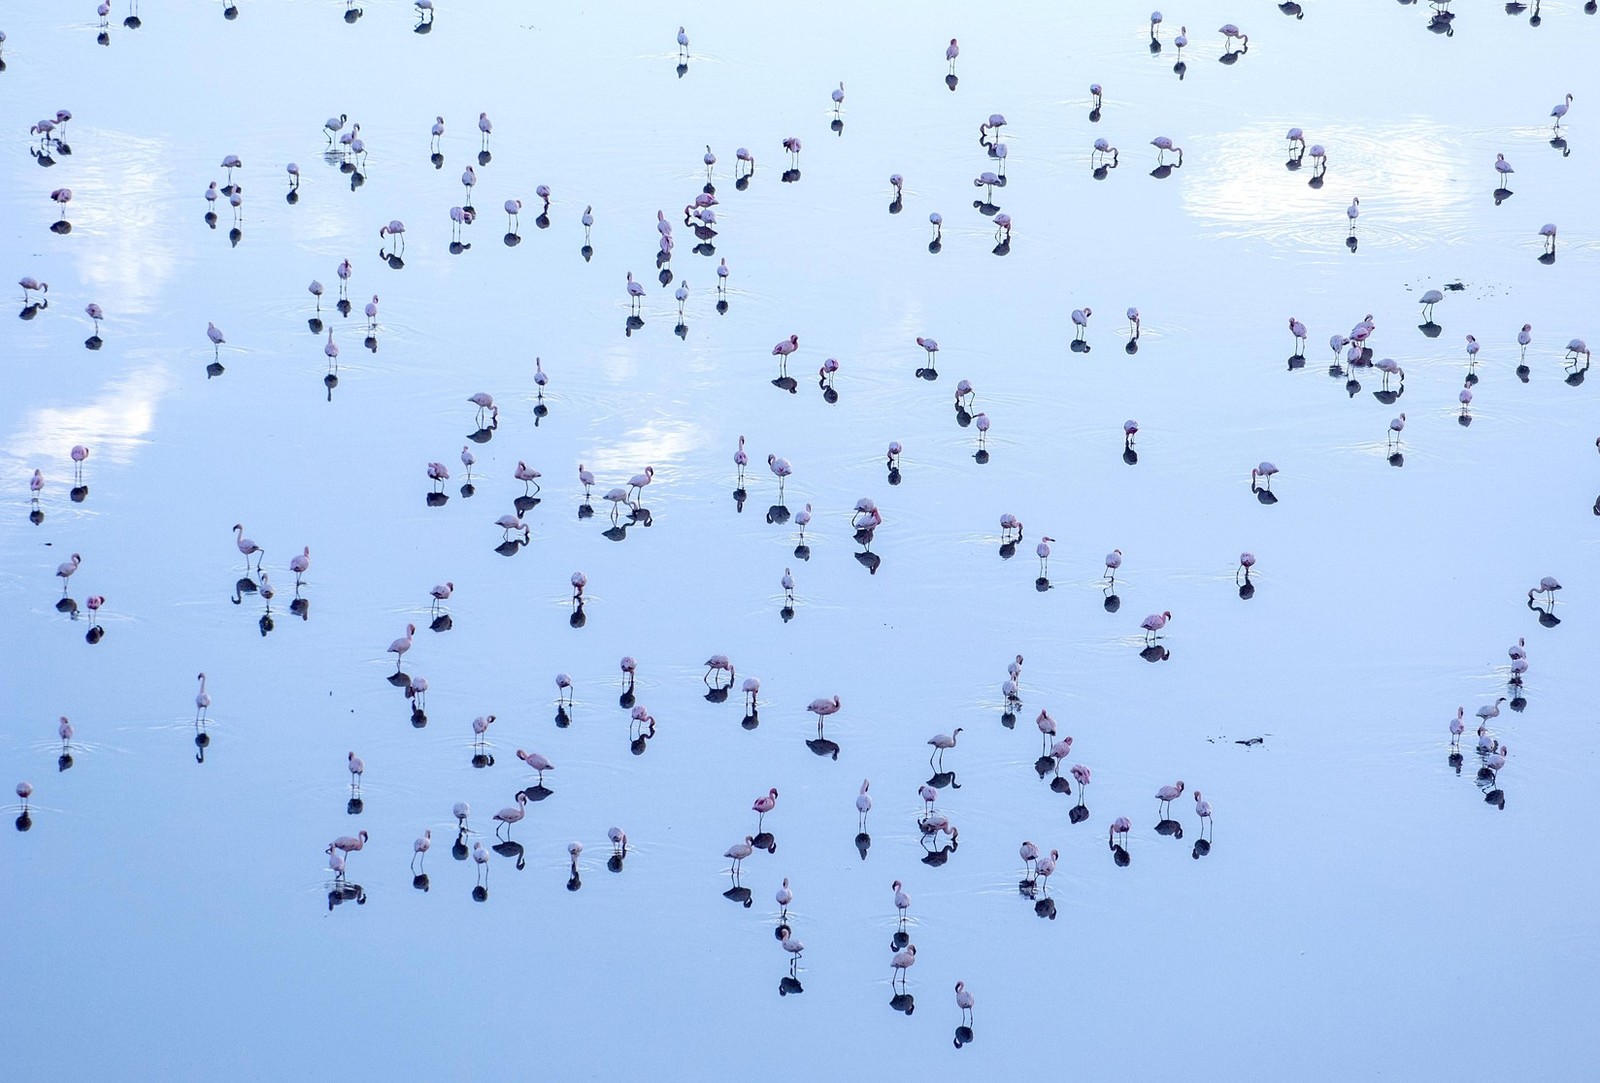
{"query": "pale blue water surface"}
{"type": "Point", "coordinates": [1363, 910]}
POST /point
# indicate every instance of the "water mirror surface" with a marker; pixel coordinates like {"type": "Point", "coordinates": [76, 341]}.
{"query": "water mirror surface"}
{"type": "Point", "coordinates": [1363, 901]}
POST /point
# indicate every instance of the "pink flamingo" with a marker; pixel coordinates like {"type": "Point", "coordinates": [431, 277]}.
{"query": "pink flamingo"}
{"type": "Point", "coordinates": [1154, 623]}
{"type": "Point", "coordinates": [763, 805]}
{"type": "Point", "coordinates": [1167, 794]}
{"type": "Point", "coordinates": [1043, 549]}
{"type": "Point", "coordinates": [399, 647]}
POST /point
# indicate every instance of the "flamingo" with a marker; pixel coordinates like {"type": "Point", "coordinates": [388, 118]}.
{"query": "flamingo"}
{"type": "Point", "coordinates": [348, 843]}
{"type": "Point", "coordinates": [1120, 826]}
{"type": "Point", "coordinates": [782, 351]}
{"type": "Point", "coordinates": [1043, 549]}
{"type": "Point", "coordinates": [940, 742]}
{"type": "Point", "coordinates": [784, 897]}
{"type": "Point", "coordinates": [1496, 759]}
{"type": "Point", "coordinates": [838, 98]}
{"type": "Point", "coordinates": [787, 582]}
{"type": "Point", "coordinates": [863, 804]}
{"type": "Point", "coordinates": [802, 519]}
{"type": "Point", "coordinates": [619, 841]}
{"type": "Point", "coordinates": [397, 230]}
{"type": "Point", "coordinates": [300, 563]}
{"type": "Point", "coordinates": [741, 459]}
{"type": "Point", "coordinates": [1246, 562]}
{"type": "Point", "coordinates": [1560, 110]}
{"type": "Point", "coordinates": [1578, 348]}
{"type": "Point", "coordinates": [399, 647]}
{"type": "Point", "coordinates": [716, 664]}
{"type": "Point", "coordinates": [1080, 319]}
{"type": "Point", "coordinates": [739, 851]}
{"type": "Point", "coordinates": [780, 469]}
{"type": "Point", "coordinates": [24, 791]}
{"type": "Point", "coordinates": [1130, 429]}
{"type": "Point", "coordinates": [1229, 32]}
{"type": "Point", "coordinates": [1353, 212]}
{"type": "Point", "coordinates": [480, 728]}
{"type": "Point", "coordinates": [536, 762]}
{"type": "Point", "coordinates": [1163, 144]}
{"type": "Point", "coordinates": [1396, 427]}
{"type": "Point", "coordinates": [1502, 167]}
{"type": "Point", "coordinates": [438, 473]}
{"type": "Point", "coordinates": [964, 1001]}
{"type": "Point", "coordinates": [763, 805]}
{"type": "Point", "coordinates": [937, 221]}
{"type": "Point", "coordinates": [683, 44]}
{"type": "Point", "coordinates": [1113, 562]}
{"type": "Point", "coordinates": [1047, 727]}
{"type": "Point", "coordinates": [1457, 727]}
{"type": "Point", "coordinates": [512, 814]}
{"type": "Point", "coordinates": [1296, 136]}
{"type": "Point", "coordinates": [1030, 858]}
{"type": "Point", "coordinates": [1154, 623]}
{"type": "Point", "coordinates": [822, 708]}
{"type": "Point", "coordinates": [1046, 866]}
{"type": "Point", "coordinates": [65, 571]}
{"type": "Point", "coordinates": [639, 481]}
{"type": "Point", "coordinates": [1524, 337]}
{"type": "Point", "coordinates": [1490, 710]}
{"type": "Point", "coordinates": [1519, 649]}
{"type": "Point", "coordinates": [586, 478]}
{"type": "Point", "coordinates": [792, 145]}
{"type": "Point", "coordinates": [358, 767]}
{"type": "Point", "coordinates": [722, 276]}
{"type": "Point", "coordinates": [952, 51]}
{"type": "Point", "coordinates": [481, 857]}
{"type": "Point", "coordinates": [578, 581]}
{"type": "Point", "coordinates": [247, 547]}
{"type": "Point", "coordinates": [485, 126]}
{"type": "Point", "coordinates": [902, 960]}
{"type": "Point", "coordinates": [929, 795]}
{"type": "Point", "coordinates": [216, 338]}
{"type": "Point", "coordinates": [1081, 775]}
{"type": "Point", "coordinates": [902, 901]}
{"type": "Point", "coordinates": [1009, 523]}
{"type": "Point", "coordinates": [1264, 471]}
{"type": "Point", "coordinates": [1166, 794]}
{"type": "Point", "coordinates": [333, 124]}
{"type": "Point", "coordinates": [1472, 351]}
{"type": "Point", "coordinates": [436, 133]}
{"type": "Point", "coordinates": [751, 687]}
{"type": "Point", "coordinates": [468, 459]}
{"type": "Point", "coordinates": [1548, 587]}
{"type": "Point", "coordinates": [527, 475]}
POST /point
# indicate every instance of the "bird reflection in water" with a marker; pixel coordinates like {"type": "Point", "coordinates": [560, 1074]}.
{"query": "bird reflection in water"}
{"type": "Point", "coordinates": [934, 855]}
{"type": "Point", "coordinates": [510, 848]}
{"type": "Point", "coordinates": [343, 891]}
{"type": "Point", "coordinates": [641, 740]}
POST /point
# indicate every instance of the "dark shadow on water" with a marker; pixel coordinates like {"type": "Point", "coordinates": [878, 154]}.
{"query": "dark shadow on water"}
{"type": "Point", "coordinates": [821, 746]}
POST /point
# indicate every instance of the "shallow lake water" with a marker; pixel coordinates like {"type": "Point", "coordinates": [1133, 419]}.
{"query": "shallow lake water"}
{"type": "Point", "coordinates": [1366, 905]}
